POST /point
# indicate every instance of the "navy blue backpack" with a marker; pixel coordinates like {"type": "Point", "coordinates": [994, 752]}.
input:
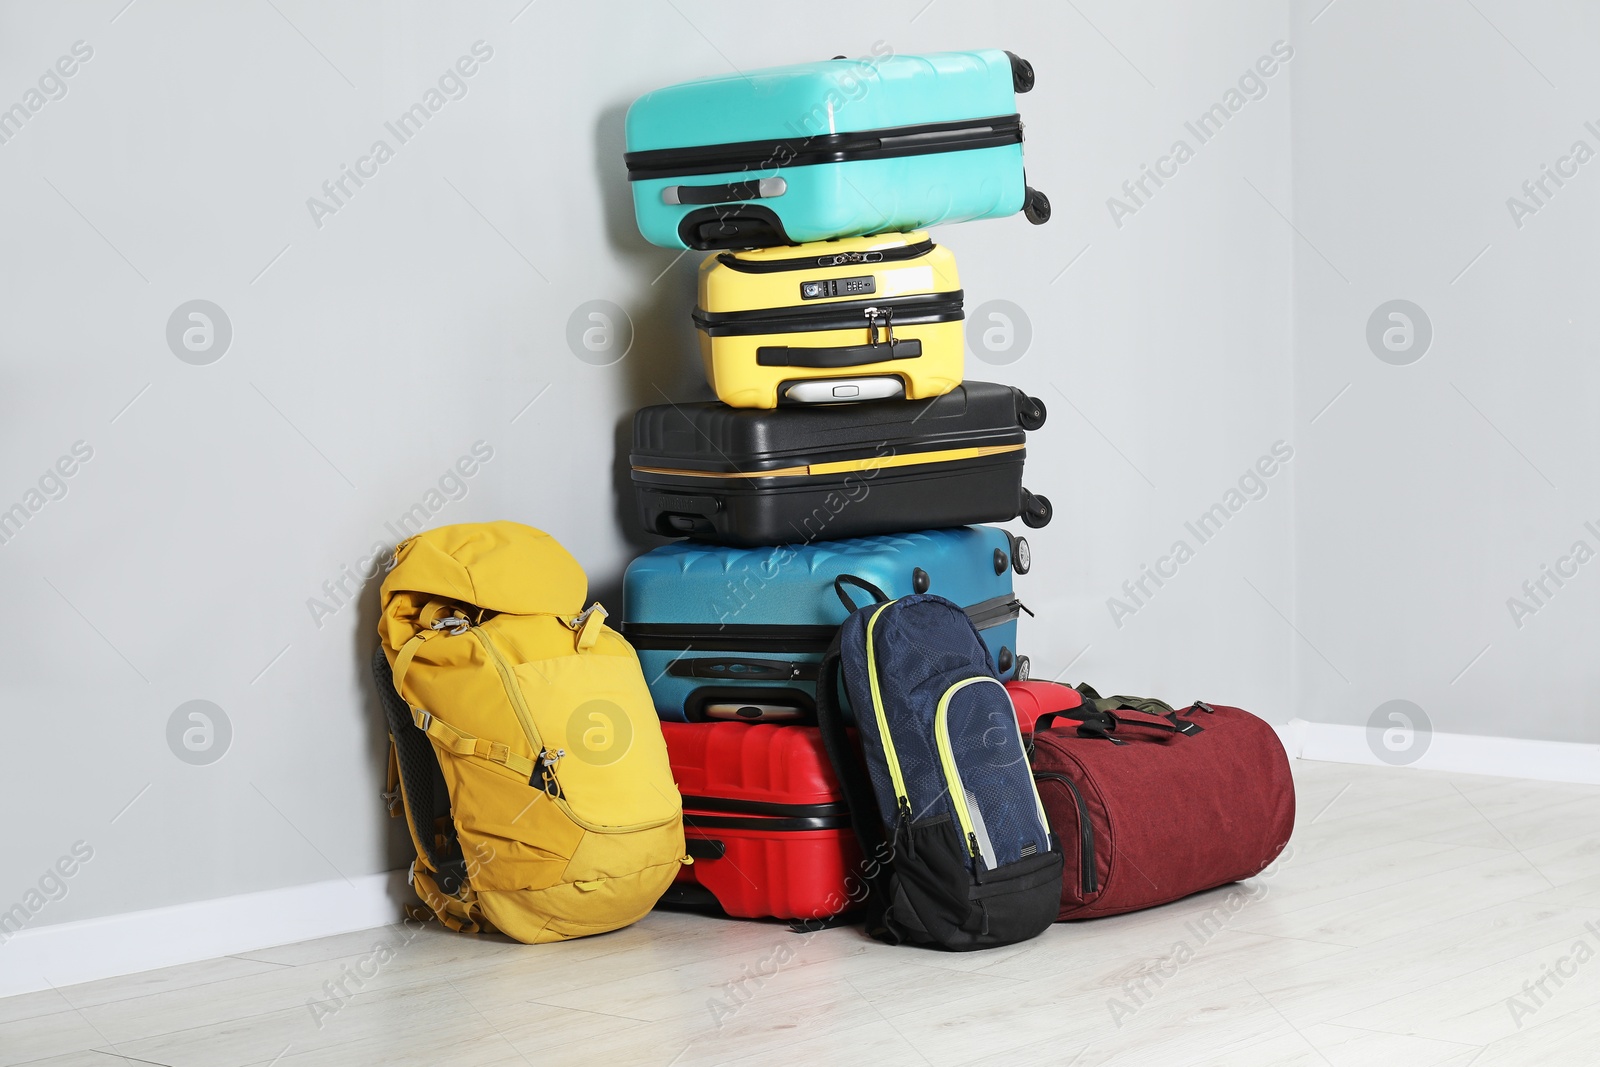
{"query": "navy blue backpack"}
{"type": "Point", "coordinates": [959, 851]}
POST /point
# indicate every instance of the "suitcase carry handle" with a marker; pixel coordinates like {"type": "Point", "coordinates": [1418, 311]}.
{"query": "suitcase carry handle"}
{"type": "Point", "coordinates": [761, 189]}
{"type": "Point", "coordinates": [834, 358]}
{"type": "Point", "coordinates": [878, 595]}
{"type": "Point", "coordinates": [753, 670]}
{"type": "Point", "coordinates": [874, 351]}
{"type": "Point", "coordinates": [702, 848]}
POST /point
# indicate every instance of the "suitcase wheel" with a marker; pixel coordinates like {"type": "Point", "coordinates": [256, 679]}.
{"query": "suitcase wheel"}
{"type": "Point", "coordinates": [1036, 207]}
{"type": "Point", "coordinates": [1036, 510]}
{"type": "Point", "coordinates": [1031, 413]}
{"type": "Point", "coordinates": [1021, 73]}
{"type": "Point", "coordinates": [1021, 554]}
{"type": "Point", "coordinates": [1024, 668]}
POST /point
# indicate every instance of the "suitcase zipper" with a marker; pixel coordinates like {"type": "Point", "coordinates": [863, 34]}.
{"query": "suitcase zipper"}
{"type": "Point", "coordinates": [920, 309]}
{"type": "Point", "coordinates": [795, 640]}
{"type": "Point", "coordinates": [844, 466]}
{"type": "Point", "coordinates": [1087, 874]}
{"type": "Point", "coordinates": [836, 259]}
{"type": "Point", "coordinates": [887, 142]}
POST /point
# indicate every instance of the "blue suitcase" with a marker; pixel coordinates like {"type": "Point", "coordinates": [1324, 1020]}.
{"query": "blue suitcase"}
{"type": "Point", "coordinates": [738, 633]}
{"type": "Point", "coordinates": [839, 148]}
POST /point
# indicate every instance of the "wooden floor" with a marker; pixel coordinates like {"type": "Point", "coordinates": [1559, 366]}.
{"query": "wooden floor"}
{"type": "Point", "coordinates": [1411, 910]}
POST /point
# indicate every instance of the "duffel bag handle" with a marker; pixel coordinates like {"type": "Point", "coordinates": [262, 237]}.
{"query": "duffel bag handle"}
{"type": "Point", "coordinates": [850, 606]}
{"type": "Point", "coordinates": [1103, 723]}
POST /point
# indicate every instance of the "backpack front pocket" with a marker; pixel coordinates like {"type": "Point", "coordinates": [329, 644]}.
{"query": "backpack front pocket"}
{"type": "Point", "coordinates": [599, 752]}
{"type": "Point", "coordinates": [975, 727]}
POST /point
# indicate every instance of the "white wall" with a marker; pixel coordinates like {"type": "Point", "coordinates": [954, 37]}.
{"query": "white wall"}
{"type": "Point", "coordinates": [1429, 492]}
{"type": "Point", "coordinates": [370, 352]}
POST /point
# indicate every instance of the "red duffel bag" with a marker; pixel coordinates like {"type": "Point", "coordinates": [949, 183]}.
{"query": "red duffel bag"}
{"type": "Point", "coordinates": [1151, 804]}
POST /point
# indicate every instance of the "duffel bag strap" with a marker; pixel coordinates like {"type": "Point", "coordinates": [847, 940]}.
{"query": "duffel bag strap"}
{"type": "Point", "coordinates": [1148, 705]}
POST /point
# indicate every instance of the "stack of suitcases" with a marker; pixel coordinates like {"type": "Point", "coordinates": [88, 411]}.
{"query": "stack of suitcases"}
{"type": "Point", "coordinates": [847, 458]}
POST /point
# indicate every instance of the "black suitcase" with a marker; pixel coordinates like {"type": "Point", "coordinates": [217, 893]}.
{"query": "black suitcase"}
{"type": "Point", "coordinates": [748, 476]}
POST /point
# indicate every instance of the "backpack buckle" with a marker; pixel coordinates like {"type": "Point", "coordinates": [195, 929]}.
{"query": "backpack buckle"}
{"type": "Point", "coordinates": [391, 798]}
{"type": "Point", "coordinates": [455, 624]}
{"type": "Point", "coordinates": [411, 874]}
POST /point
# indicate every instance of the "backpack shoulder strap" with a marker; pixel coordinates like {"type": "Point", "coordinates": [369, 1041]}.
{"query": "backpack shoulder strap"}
{"type": "Point", "coordinates": [858, 793]}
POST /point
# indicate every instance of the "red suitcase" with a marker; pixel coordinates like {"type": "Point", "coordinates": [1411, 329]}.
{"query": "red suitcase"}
{"type": "Point", "coordinates": [764, 818]}
{"type": "Point", "coordinates": [1150, 808]}
{"type": "Point", "coordinates": [1032, 699]}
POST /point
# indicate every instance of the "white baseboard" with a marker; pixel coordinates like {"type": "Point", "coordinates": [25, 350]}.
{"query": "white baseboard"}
{"type": "Point", "coordinates": [1504, 757]}
{"type": "Point", "coordinates": [68, 953]}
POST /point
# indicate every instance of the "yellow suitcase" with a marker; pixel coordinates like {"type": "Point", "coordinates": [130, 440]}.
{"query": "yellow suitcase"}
{"type": "Point", "coordinates": [860, 318]}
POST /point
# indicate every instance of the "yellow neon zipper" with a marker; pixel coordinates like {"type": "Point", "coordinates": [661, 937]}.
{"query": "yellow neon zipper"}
{"type": "Point", "coordinates": [902, 799]}
{"type": "Point", "coordinates": [846, 466]}
{"type": "Point", "coordinates": [947, 759]}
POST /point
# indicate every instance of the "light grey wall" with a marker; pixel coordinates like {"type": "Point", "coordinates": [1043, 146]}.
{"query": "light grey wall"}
{"type": "Point", "coordinates": [370, 352]}
{"type": "Point", "coordinates": [1429, 492]}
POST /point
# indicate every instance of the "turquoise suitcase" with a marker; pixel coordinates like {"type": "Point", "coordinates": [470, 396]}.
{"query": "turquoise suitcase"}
{"type": "Point", "coordinates": [738, 633]}
{"type": "Point", "coordinates": [840, 148]}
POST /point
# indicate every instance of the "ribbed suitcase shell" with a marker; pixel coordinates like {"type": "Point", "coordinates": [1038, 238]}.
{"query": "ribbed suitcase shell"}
{"type": "Point", "coordinates": [775, 138]}
{"type": "Point", "coordinates": [768, 318]}
{"type": "Point", "coordinates": [1031, 699]}
{"type": "Point", "coordinates": [756, 790]}
{"type": "Point", "coordinates": [695, 613]}
{"type": "Point", "coordinates": [741, 476]}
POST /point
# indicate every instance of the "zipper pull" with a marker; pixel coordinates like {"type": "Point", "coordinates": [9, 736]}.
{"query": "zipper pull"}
{"type": "Point", "coordinates": [1203, 706]}
{"type": "Point", "coordinates": [588, 623]}
{"type": "Point", "coordinates": [972, 846]}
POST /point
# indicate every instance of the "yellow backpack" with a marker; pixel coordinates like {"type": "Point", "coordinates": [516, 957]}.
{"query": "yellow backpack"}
{"type": "Point", "coordinates": [562, 818]}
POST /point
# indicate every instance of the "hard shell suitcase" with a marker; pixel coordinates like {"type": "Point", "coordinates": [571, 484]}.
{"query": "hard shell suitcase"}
{"type": "Point", "coordinates": [828, 149]}
{"type": "Point", "coordinates": [853, 319]}
{"type": "Point", "coordinates": [1031, 699]}
{"type": "Point", "coordinates": [740, 476]}
{"type": "Point", "coordinates": [765, 820]}
{"type": "Point", "coordinates": [730, 633]}
{"type": "Point", "coordinates": [1150, 808]}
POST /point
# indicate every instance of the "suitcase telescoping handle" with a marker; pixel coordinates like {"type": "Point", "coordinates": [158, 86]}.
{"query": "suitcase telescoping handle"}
{"type": "Point", "coordinates": [874, 351]}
